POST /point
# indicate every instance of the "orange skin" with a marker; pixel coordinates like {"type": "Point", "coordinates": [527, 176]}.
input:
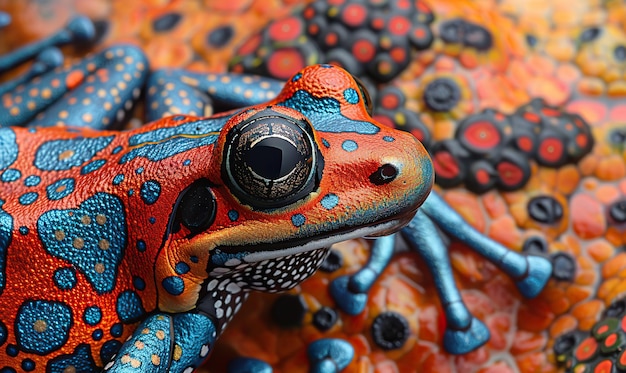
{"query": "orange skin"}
{"type": "Point", "coordinates": [150, 217]}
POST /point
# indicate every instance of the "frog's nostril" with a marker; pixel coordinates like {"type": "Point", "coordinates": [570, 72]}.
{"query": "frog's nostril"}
{"type": "Point", "coordinates": [384, 175]}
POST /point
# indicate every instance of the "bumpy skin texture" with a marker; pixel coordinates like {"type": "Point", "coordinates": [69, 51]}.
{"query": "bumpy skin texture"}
{"type": "Point", "coordinates": [92, 238]}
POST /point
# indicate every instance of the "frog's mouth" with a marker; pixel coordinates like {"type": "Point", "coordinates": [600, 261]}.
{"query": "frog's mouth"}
{"type": "Point", "coordinates": [268, 251]}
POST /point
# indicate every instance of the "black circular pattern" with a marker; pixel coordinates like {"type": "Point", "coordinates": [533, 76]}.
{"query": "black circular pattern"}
{"type": "Point", "coordinates": [390, 330]}
{"type": "Point", "coordinates": [617, 210]}
{"type": "Point", "coordinates": [564, 267]}
{"type": "Point", "coordinates": [535, 245]}
{"type": "Point", "coordinates": [460, 31]}
{"type": "Point", "coordinates": [442, 94]}
{"type": "Point", "coordinates": [333, 261]}
{"type": "Point", "coordinates": [545, 209]}
{"type": "Point", "coordinates": [166, 22]}
{"type": "Point", "coordinates": [324, 318]}
{"type": "Point", "coordinates": [288, 311]}
{"type": "Point", "coordinates": [196, 208]}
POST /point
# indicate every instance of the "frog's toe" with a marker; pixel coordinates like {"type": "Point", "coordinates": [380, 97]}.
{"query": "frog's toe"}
{"type": "Point", "coordinates": [463, 341]}
{"type": "Point", "coordinates": [347, 300]}
{"type": "Point", "coordinates": [5, 19]}
{"type": "Point", "coordinates": [248, 365]}
{"type": "Point", "coordinates": [81, 29]}
{"type": "Point", "coordinates": [47, 60]}
{"type": "Point", "coordinates": [329, 355]}
{"type": "Point", "coordinates": [535, 279]}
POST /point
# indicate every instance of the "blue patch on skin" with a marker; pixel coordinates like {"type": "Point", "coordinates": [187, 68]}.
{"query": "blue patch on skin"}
{"type": "Point", "coordinates": [181, 268]}
{"type": "Point", "coordinates": [329, 201]}
{"type": "Point", "coordinates": [92, 166]}
{"type": "Point", "coordinates": [152, 220]}
{"type": "Point", "coordinates": [60, 189]}
{"type": "Point", "coordinates": [325, 114]}
{"type": "Point", "coordinates": [129, 307]}
{"type": "Point", "coordinates": [139, 171]}
{"type": "Point", "coordinates": [163, 143]}
{"type": "Point", "coordinates": [91, 237]}
{"type": "Point", "coordinates": [28, 365]}
{"type": "Point", "coordinates": [349, 146]}
{"type": "Point", "coordinates": [247, 364]}
{"type": "Point", "coordinates": [117, 180]}
{"type": "Point", "coordinates": [388, 139]}
{"type": "Point", "coordinates": [42, 326]}
{"type": "Point", "coordinates": [298, 220]}
{"type": "Point", "coordinates": [64, 278]}
{"type": "Point", "coordinates": [150, 191]}
{"type": "Point", "coordinates": [32, 180]}
{"type": "Point", "coordinates": [325, 143]}
{"type": "Point", "coordinates": [141, 246]}
{"type": "Point", "coordinates": [109, 349]}
{"type": "Point", "coordinates": [351, 96]}
{"type": "Point", "coordinates": [97, 334]}
{"type": "Point", "coordinates": [116, 330]}
{"type": "Point", "coordinates": [58, 155]}
{"type": "Point", "coordinates": [233, 215]}
{"type": "Point", "coordinates": [79, 361]}
{"type": "Point", "coordinates": [28, 198]}
{"type": "Point", "coordinates": [296, 77]}
{"type": "Point", "coordinates": [196, 334]}
{"type": "Point", "coordinates": [92, 315]}
{"type": "Point", "coordinates": [8, 155]}
{"type": "Point", "coordinates": [187, 162]}
{"type": "Point", "coordinates": [3, 333]}
{"type": "Point", "coordinates": [139, 283]}
{"type": "Point", "coordinates": [219, 258]}
{"type": "Point", "coordinates": [116, 149]}
{"type": "Point", "coordinates": [10, 175]}
{"type": "Point", "coordinates": [6, 227]}
{"type": "Point", "coordinates": [24, 230]}
{"type": "Point", "coordinates": [173, 285]}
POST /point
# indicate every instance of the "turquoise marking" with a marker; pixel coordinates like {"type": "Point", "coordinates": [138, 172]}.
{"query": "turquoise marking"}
{"type": "Point", "coordinates": [329, 201]}
{"type": "Point", "coordinates": [298, 220]}
{"type": "Point", "coordinates": [349, 146]}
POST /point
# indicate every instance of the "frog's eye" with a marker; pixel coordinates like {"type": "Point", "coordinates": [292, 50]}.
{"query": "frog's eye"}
{"type": "Point", "coordinates": [369, 106]}
{"type": "Point", "coordinates": [271, 160]}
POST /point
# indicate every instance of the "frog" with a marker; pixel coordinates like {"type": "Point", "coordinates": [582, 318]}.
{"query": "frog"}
{"type": "Point", "coordinates": [134, 249]}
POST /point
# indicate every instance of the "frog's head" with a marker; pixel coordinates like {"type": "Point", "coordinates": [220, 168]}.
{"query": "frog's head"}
{"type": "Point", "coordinates": [287, 180]}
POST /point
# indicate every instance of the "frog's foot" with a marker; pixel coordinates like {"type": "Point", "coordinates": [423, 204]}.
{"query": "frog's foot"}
{"type": "Point", "coordinates": [350, 291]}
{"type": "Point", "coordinates": [166, 343]}
{"type": "Point", "coordinates": [79, 30]}
{"type": "Point", "coordinates": [176, 91]}
{"type": "Point", "coordinates": [248, 365]}
{"type": "Point", "coordinates": [530, 272]}
{"type": "Point", "coordinates": [113, 78]}
{"type": "Point", "coordinates": [329, 355]}
{"type": "Point", "coordinates": [45, 61]}
{"type": "Point", "coordinates": [463, 333]}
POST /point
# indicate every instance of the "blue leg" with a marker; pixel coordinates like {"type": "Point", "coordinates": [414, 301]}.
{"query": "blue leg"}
{"type": "Point", "coordinates": [248, 365]}
{"type": "Point", "coordinates": [464, 333]}
{"type": "Point", "coordinates": [329, 355]}
{"type": "Point", "coordinates": [45, 61]}
{"type": "Point", "coordinates": [166, 343]}
{"type": "Point", "coordinates": [177, 91]}
{"type": "Point", "coordinates": [350, 291]}
{"type": "Point", "coordinates": [531, 273]}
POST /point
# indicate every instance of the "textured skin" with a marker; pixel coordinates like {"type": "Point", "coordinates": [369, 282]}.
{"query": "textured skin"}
{"type": "Point", "coordinates": [92, 240]}
{"type": "Point", "coordinates": [537, 52]}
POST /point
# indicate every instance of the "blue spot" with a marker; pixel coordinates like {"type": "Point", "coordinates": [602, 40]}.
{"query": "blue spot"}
{"type": "Point", "coordinates": [296, 77]}
{"type": "Point", "coordinates": [139, 283]}
{"type": "Point", "coordinates": [388, 139]}
{"type": "Point", "coordinates": [24, 230]}
{"type": "Point", "coordinates": [97, 334]}
{"type": "Point", "coordinates": [129, 307]}
{"type": "Point", "coordinates": [150, 191]}
{"type": "Point", "coordinates": [325, 143]}
{"type": "Point", "coordinates": [28, 198]}
{"type": "Point", "coordinates": [92, 166]}
{"type": "Point", "coordinates": [64, 278]}
{"type": "Point", "coordinates": [166, 142]}
{"type": "Point", "coordinates": [139, 171]}
{"type": "Point", "coordinates": [351, 96]}
{"type": "Point", "coordinates": [98, 220]}
{"type": "Point", "coordinates": [187, 162]}
{"type": "Point", "coordinates": [194, 259]}
{"type": "Point", "coordinates": [8, 155]}
{"type": "Point", "coordinates": [173, 285]}
{"type": "Point", "coordinates": [28, 365]}
{"type": "Point", "coordinates": [117, 180]}
{"type": "Point", "coordinates": [32, 180]}
{"type": "Point", "coordinates": [329, 201]}
{"type": "Point", "coordinates": [60, 189]}
{"type": "Point", "coordinates": [79, 361]}
{"type": "Point", "coordinates": [141, 246]}
{"type": "Point", "coordinates": [54, 320]}
{"type": "Point", "coordinates": [130, 192]}
{"type": "Point", "coordinates": [3, 333]}
{"type": "Point", "coordinates": [116, 149]}
{"type": "Point", "coordinates": [233, 215]}
{"type": "Point", "coordinates": [116, 330]}
{"type": "Point", "coordinates": [58, 155]}
{"type": "Point", "coordinates": [181, 268]}
{"type": "Point", "coordinates": [12, 350]}
{"type": "Point", "coordinates": [326, 66]}
{"type": "Point", "coordinates": [349, 146]}
{"type": "Point", "coordinates": [109, 348]}
{"type": "Point", "coordinates": [218, 257]}
{"type": "Point", "coordinates": [6, 227]}
{"type": "Point", "coordinates": [10, 175]}
{"type": "Point", "coordinates": [298, 220]}
{"type": "Point", "coordinates": [178, 118]}
{"type": "Point", "coordinates": [92, 315]}
{"type": "Point", "coordinates": [32, 130]}
{"type": "Point", "coordinates": [152, 220]}
{"type": "Point", "coordinates": [325, 114]}
{"type": "Point", "coordinates": [7, 370]}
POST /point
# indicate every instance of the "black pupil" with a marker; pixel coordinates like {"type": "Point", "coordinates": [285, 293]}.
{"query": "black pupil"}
{"type": "Point", "coordinates": [273, 158]}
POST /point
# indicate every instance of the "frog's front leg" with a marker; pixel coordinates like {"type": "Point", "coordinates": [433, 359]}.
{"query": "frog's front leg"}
{"type": "Point", "coordinates": [166, 343]}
